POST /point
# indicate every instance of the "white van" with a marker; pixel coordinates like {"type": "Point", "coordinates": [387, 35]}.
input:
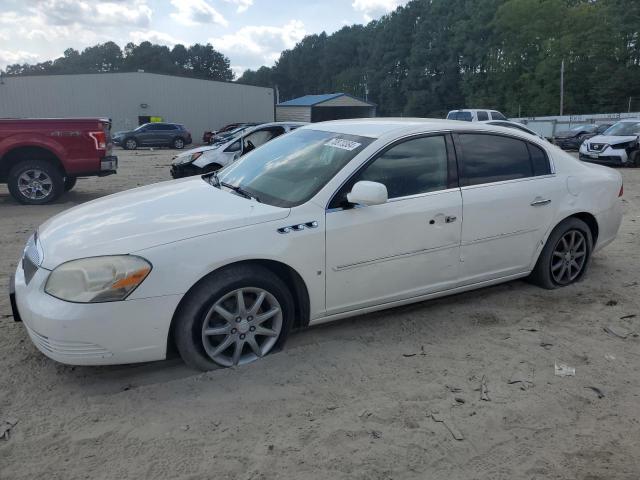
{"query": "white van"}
{"type": "Point", "coordinates": [475, 115]}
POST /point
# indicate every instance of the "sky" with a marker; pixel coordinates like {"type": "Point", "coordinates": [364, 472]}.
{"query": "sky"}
{"type": "Point", "coordinates": [251, 33]}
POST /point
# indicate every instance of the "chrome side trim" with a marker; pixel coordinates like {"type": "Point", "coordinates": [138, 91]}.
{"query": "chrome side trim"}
{"type": "Point", "coordinates": [373, 261]}
{"type": "Point", "coordinates": [502, 235]}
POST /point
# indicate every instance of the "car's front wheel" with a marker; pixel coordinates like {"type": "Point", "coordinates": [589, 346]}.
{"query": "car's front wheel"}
{"type": "Point", "coordinates": [130, 144]}
{"type": "Point", "coordinates": [178, 143]}
{"type": "Point", "coordinates": [233, 317]}
{"type": "Point", "coordinates": [565, 256]}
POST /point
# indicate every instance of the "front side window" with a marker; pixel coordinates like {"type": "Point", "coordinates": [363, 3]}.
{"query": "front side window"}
{"type": "Point", "coordinates": [289, 170]}
{"type": "Point", "coordinates": [497, 116]}
{"type": "Point", "coordinates": [409, 168]}
{"type": "Point", "coordinates": [493, 158]}
{"type": "Point", "coordinates": [482, 116]}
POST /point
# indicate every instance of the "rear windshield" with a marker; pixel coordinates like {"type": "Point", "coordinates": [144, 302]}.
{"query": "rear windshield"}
{"type": "Point", "coordinates": [464, 116]}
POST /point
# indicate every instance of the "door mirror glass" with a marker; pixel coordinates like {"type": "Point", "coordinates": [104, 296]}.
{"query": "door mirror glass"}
{"type": "Point", "coordinates": [368, 193]}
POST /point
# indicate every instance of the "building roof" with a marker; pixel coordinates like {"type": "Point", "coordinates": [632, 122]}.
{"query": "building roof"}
{"type": "Point", "coordinates": [311, 100]}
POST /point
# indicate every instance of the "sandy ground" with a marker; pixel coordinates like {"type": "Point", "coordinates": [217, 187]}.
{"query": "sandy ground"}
{"type": "Point", "coordinates": [352, 399]}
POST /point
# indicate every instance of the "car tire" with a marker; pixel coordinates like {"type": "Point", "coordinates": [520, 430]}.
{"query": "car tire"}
{"type": "Point", "coordinates": [178, 143]}
{"type": "Point", "coordinates": [35, 182]}
{"type": "Point", "coordinates": [130, 143]}
{"type": "Point", "coordinates": [211, 327]}
{"type": "Point", "coordinates": [635, 159]}
{"type": "Point", "coordinates": [69, 183]}
{"type": "Point", "coordinates": [565, 256]}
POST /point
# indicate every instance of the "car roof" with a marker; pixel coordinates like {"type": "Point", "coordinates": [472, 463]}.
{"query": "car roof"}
{"type": "Point", "coordinates": [379, 127]}
{"type": "Point", "coordinates": [630, 120]}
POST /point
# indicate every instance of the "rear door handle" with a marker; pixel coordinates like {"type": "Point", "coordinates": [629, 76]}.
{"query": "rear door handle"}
{"type": "Point", "coordinates": [539, 202]}
{"type": "Point", "coordinates": [450, 219]}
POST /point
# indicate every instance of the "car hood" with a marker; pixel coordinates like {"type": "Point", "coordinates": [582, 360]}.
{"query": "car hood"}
{"type": "Point", "coordinates": [204, 148]}
{"type": "Point", "coordinates": [148, 216]}
{"type": "Point", "coordinates": [567, 134]}
{"type": "Point", "coordinates": [612, 140]}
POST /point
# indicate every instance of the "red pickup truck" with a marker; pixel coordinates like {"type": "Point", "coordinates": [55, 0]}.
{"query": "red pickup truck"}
{"type": "Point", "coordinates": [41, 158]}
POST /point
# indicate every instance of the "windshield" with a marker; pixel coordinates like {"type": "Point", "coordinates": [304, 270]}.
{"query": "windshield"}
{"type": "Point", "coordinates": [141, 127]}
{"type": "Point", "coordinates": [623, 129]}
{"type": "Point", "coordinates": [291, 169]}
{"type": "Point", "coordinates": [580, 128]}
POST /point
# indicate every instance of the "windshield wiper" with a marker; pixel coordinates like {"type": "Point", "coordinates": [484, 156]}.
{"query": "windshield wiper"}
{"type": "Point", "coordinates": [239, 190]}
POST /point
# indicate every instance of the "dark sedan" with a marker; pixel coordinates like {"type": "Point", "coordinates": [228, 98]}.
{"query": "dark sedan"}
{"type": "Point", "coordinates": [572, 139]}
{"type": "Point", "coordinates": [154, 135]}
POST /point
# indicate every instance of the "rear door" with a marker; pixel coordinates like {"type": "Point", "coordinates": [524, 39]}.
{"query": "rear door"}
{"type": "Point", "coordinates": [510, 195]}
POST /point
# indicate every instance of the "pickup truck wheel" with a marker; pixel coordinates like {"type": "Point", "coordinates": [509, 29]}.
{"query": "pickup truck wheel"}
{"type": "Point", "coordinates": [69, 183]}
{"type": "Point", "coordinates": [178, 143]}
{"type": "Point", "coordinates": [35, 182]}
{"type": "Point", "coordinates": [130, 144]}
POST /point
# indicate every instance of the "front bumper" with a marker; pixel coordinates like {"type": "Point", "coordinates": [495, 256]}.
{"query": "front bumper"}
{"type": "Point", "coordinates": [93, 334]}
{"type": "Point", "coordinates": [185, 170]}
{"type": "Point", "coordinates": [607, 156]}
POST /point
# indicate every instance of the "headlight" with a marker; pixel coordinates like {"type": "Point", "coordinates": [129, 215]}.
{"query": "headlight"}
{"type": "Point", "coordinates": [97, 279]}
{"type": "Point", "coordinates": [187, 159]}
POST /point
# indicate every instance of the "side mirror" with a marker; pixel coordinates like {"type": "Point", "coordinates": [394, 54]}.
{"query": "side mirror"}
{"type": "Point", "coordinates": [368, 193]}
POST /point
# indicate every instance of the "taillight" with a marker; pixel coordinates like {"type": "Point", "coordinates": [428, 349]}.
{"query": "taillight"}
{"type": "Point", "coordinates": [100, 139]}
{"type": "Point", "coordinates": [621, 192]}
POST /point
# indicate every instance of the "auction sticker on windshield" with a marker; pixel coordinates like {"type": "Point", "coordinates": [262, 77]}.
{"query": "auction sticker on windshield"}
{"type": "Point", "coordinates": [343, 144]}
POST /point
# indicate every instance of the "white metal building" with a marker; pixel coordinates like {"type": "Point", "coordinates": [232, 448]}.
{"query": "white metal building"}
{"type": "Point", "coordinates": [130, 99]}
{"type": "Point", "coordinates": [319, 108]}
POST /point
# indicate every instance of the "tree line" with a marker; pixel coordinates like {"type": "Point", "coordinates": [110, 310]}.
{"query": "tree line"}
{"type": "Point", "coordinates": [432, 56]}
{"type": "Point", "coordinates": [198, 61]}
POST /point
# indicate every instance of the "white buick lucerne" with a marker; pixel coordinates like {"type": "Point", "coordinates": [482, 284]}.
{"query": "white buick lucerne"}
{"type": "Point", "coordinates": [332, 220]}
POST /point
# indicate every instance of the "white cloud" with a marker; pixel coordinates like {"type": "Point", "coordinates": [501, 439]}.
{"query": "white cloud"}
{"type": "Point", "coordinates": [84, 12]}
{"type": "Point", "coordinates": [263, 43]}
{"type": "Point", "coordinates": [194, 12]}
{"type": "Point", "coordinates": [154, 36]}
{"type": "Point", "coordinates": [16, 56]}
{"type": "Point", "coordinates": [243, 5]}
{"type": "Point", "coordinates": [372, 8]}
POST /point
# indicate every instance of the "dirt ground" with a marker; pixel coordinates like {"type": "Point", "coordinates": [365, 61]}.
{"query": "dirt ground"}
{"type": "Point", "coordinates": [352, 399]}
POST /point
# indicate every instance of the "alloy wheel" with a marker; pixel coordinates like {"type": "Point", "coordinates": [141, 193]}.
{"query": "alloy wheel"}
{"type": "Point", "coordinates": [242, 326]}
{"type": "Point", "coordinates": [569, 257]}
{"type": "Point", "coordinates": [131, 144]}
{"type": "Point", "coordinates": [35, 184]}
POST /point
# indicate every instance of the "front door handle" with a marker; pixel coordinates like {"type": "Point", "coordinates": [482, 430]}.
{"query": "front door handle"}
{"type": "Point", "coordinates": [450, 219]}
{"type": "Point", "coordinates": [539, 202]}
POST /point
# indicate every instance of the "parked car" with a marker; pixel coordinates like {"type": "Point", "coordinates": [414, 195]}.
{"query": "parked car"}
{"type": "Point", "coordinates": [514, 125]}
{"type": "Point", "coordinates": [602, 127]}
{"type": "Point", "coordinates": [475, 115]}
{"type": "Point", "coordinates": [572, 139]}
{"type": "Point", "coordinates": [209, 136]}
{"type": "Point", "coordinates": [41, 158]}
{"type": "Point", "coordinates": [158, 134]}
{"type": "Point", "coordinates": [211, 158]}
{"type": "Point", "coordinates": [333, 220]}
{"type": "Point", "coordinates": [618, 145]}
{"type": "Point", "coordinates": [223, 137]}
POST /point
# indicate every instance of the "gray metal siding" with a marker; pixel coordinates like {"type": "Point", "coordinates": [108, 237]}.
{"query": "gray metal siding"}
{"type": "Point", "coordinates": [293, 114]}
{"type": "Point", "coordinates": [343, 101]}
{"type": "Point", "coordinates": [198, 104]}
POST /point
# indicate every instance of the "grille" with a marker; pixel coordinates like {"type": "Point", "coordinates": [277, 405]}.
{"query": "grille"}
{"type": "Point", "coordinates": [69, 349]}
{"type": "Point", "coordinates": [32, 258]}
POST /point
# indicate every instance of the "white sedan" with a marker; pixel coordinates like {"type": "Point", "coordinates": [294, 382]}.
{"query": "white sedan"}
{"type": "Point", "coordinates": [333, 220]}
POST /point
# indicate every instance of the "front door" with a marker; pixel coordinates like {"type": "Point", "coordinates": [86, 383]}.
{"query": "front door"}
{"type": "Point", "coordinates": [510, 196]}
{"type": "Point", "coordinates": [406, 247]}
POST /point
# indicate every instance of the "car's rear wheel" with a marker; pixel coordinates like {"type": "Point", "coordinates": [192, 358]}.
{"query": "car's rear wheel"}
{"type": "Point", "coordinates": [178, 143]}
{"type": "Point", "coordinates": [69, 183]}
{"type": "Point", "coordinates": [234, 317]}
{"type": "Point", "coordinates": [35, 182]}
{"type": "Point", "coordinates": [565, 257]}
{"type": "Point", "coordinates": [130, 144]}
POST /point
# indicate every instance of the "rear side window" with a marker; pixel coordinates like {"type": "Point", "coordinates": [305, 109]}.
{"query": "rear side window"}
{"type": "Point", "coordinates": [482, 116]}
{"type": "Point", "coordinates": [539, 160]}
{"type": "Point", "coordinates": [493, 158]}
{"type": "Point", "coordinates": [464, 116]}
{"type": "Point", "coordinates": [497, 116]}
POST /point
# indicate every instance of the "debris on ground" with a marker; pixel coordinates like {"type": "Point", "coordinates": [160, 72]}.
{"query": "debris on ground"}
{"type": "Point", "coordinates": [611, 303]}
{"type": "Point", "coordinates": [616, 332]}
{"type": "Point", "coordinates": [546, 344]}
{"type": "Point", "coordinates": [453, 389]}
{"type": "Point", "coordinates": [484, 391]}
{"type": "Point", "coordinates": [632, 284]}
{"type": "Point", "coordinates": [6, 426]}
{"type": "Point", "coordinates": [609, 357]}
{"type": "Point", "coordinates": [459, 400]}
{"type": "Point", "coordinates": [530, 329]}
{"type": "Point", "coordinates": [633, 315]}
{"type": "Point", "coordinates": [563, 370]}
{"type": "Point", "coordinates": [598, 391]}
{"type": "Point", "coordinates": [376, 434]}
{"type": "Point", "coordinates": [521, 378]}
{"type": "Point", "coordinates": [454, 431]}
